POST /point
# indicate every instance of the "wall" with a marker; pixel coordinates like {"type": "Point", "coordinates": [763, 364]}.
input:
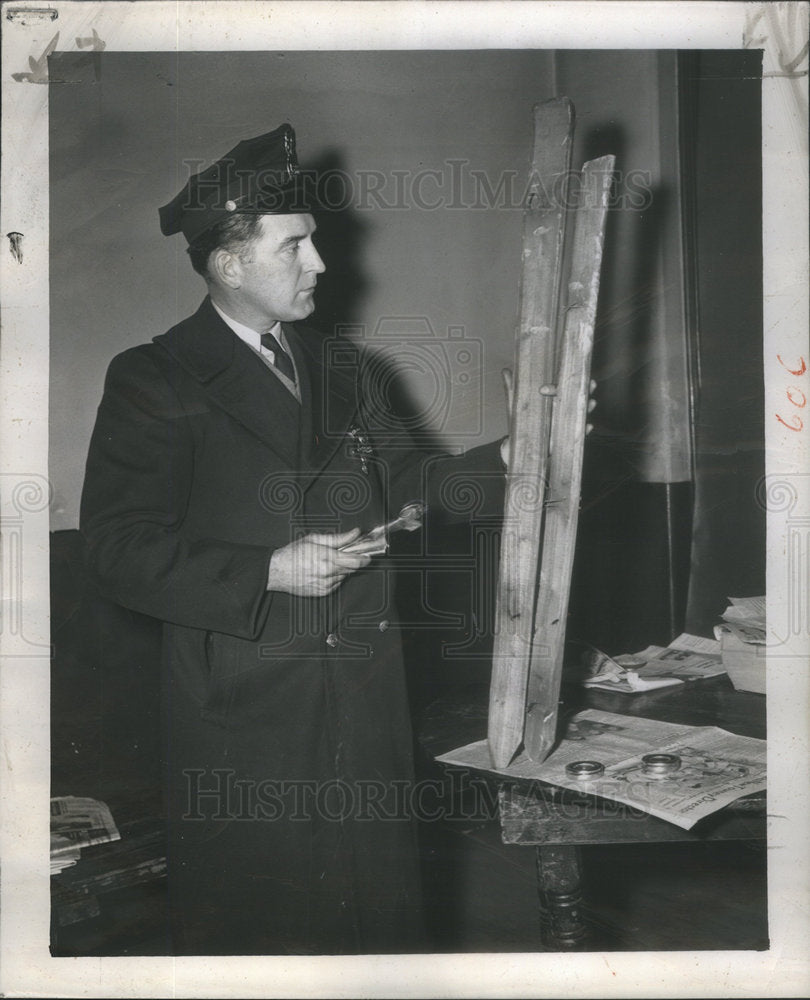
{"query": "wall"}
{"type": "Point", "coordinates": [627, 105]}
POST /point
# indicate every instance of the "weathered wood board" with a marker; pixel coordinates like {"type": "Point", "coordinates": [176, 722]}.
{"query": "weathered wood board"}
{"type": "Point", "coordinates": [543, 239]}
{"type": "Point", "coordinates": [565, 459]}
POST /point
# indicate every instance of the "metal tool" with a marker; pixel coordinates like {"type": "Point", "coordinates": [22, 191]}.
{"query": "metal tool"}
{"type": "Point", "coordinates": [375, 542]}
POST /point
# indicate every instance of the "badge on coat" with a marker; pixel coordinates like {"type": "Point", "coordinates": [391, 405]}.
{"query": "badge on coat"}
{"type": "Point", "coordinates": [361, 448]}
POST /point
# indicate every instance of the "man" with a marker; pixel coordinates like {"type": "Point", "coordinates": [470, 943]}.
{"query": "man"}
{"type": "Point", "coordinates": [231, 468]}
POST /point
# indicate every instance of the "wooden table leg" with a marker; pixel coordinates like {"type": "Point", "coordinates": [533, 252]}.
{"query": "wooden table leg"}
{"type": "Point", "coordinates": [559, 882]}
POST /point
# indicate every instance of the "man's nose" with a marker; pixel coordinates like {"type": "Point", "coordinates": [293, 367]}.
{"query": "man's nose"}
{"type": "Point", "coordinates": [315, 263]}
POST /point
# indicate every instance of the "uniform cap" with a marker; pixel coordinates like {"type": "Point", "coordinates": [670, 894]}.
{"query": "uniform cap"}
{"type": "Point", "coordinates": [258, 176]}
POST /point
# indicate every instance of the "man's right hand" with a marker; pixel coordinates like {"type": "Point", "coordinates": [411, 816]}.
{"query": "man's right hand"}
{"type": "Point", "coordinates": [314, 566]}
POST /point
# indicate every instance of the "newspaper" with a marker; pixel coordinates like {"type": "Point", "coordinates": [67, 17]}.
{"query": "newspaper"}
{"type": "Point", "coordinates": [716, 767]}
{"type": "Point", "coordinates": [76, 823]}
{"type": "Point", "coordinates": [687, 658]}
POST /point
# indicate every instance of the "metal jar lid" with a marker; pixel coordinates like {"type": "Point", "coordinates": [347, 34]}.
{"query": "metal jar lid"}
{"type": "Point", "coordinates": [582, 770]}
{"type": "Point", "coordinates": [658, 764]}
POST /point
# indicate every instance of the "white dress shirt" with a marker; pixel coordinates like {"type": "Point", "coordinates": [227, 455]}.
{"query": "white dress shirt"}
{"type": "Point", "coordinates": [253, 339]}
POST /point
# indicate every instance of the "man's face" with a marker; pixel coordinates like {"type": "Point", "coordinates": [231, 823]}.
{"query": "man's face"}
{"type": "Point", "coordinates": [279, 271]}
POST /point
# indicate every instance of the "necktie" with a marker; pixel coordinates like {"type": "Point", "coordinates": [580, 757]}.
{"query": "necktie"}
{"type": "Point", "coordinates": [282, 360]}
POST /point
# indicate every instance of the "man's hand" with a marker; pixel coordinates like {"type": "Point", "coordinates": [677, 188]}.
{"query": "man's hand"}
{"type": "Point", "coordinates": [314, 566]}
{"type": "Point", "coordinates": [546, 390]}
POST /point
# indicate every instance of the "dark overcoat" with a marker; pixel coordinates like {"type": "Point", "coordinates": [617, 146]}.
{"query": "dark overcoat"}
{"type": "Point", "coordinates": [288, 741]}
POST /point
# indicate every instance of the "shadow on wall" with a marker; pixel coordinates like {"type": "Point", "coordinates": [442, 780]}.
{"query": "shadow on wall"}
{"type": "Point", "coordinates": [342, 289]}
{"type": "Point", "coordinates": [340, 237]}
{"type": "Point", "coordinates": [630, 301]}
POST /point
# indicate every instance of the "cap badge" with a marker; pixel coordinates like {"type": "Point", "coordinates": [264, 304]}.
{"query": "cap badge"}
{"type": "Point", "coordinates": [289, 153]}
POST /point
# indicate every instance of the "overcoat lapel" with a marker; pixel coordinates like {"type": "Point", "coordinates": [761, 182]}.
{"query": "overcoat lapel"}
{"type": "Point", "coordinates": [235, 379]}
{"type": "Point", "coordinates": [328, 399]}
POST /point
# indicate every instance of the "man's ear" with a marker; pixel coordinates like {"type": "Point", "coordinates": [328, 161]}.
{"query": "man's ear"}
{"type": "Point", "coordinates": [225, 267]}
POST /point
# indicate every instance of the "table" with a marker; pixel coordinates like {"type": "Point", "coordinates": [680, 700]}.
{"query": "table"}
{"type": "Point", "coordinates": [560, 823]}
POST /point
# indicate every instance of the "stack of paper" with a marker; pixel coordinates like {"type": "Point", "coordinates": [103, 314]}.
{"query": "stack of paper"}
{"type": "Point", "coordinates": [745, 619]}
{"type": "Point", "coordinates": [77, 823]}
{"type": "Point", "coordinates": [742, 637]}
{"type": "Point", "coordinates": [687, 658]}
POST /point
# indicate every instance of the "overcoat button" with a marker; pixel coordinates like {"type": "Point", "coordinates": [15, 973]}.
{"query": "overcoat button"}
{"type": "Point", "coordinates": [331, 639]}
{"type": "Point", "coordinates": [383, 626]}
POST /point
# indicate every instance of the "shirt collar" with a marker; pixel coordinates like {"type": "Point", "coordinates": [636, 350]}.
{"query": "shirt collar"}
{"type": "Point", "coordinates": [251, 337]}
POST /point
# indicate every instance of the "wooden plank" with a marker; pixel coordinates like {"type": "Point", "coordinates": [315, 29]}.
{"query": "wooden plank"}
{"type": "Point", "coordinates": [543, 236]}
{"type": "Point", "coordinates": [565, 462]}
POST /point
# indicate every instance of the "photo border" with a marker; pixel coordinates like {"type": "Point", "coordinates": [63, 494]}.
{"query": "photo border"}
{"type": "Point", "coordinates": [778, 29]}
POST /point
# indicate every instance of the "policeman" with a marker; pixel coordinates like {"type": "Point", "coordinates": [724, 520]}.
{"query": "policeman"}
{"type": "Point", "coordinates": [232, 467]}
